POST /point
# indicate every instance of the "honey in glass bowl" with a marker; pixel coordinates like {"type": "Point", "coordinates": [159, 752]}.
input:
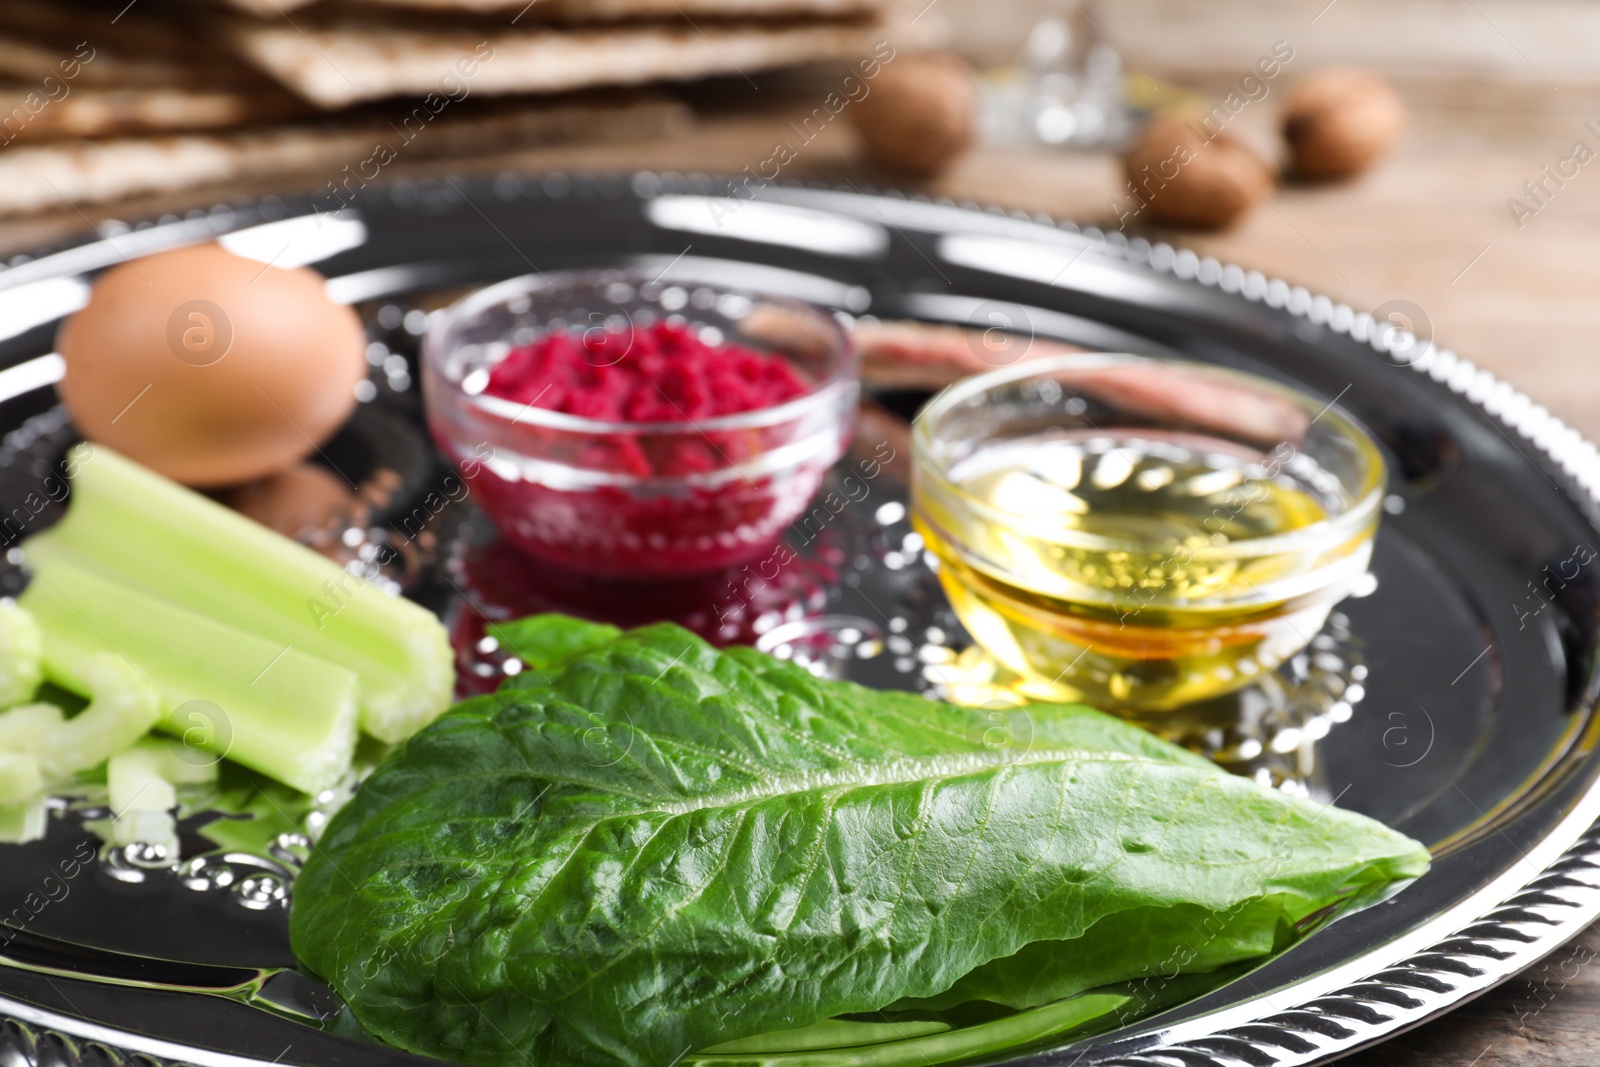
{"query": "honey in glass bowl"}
{"type": "Point", "coordinates": [1141, 534]}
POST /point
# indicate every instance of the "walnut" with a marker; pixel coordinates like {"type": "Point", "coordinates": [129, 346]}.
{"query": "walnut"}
{"type": "Point", "coordinates": [1184, 174]}
{"type": "Point", "coordinates": [919, 115]}
{"type": "Point", "coordinates": [1340, 120]}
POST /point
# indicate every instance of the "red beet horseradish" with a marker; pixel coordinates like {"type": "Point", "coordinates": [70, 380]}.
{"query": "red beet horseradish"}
{"type": "Point", "coordinates": [628, 429]}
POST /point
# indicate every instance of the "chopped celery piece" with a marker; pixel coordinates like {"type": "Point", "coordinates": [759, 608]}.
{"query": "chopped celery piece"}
{"type": "Point", "coordinates": [19, 654]}
{"type": "Point", "coordinates": [23, 821]}
{"type": "Point", "coordinates": [144, 826]}
{"type": "Point", "coordinates": [25, 727]}
{"type": "Point", "coordinates": [141, 799]}
{"type": "Point", "coordinates": [19, 777]}
{"type": "Point", "coordinates": [122, 708]}
{"type": "Point", "coordinates": [135, 527]}
{"type": "Point", "coordinates": [178, 763]}
{"type": "Point", "coordinates": [135, 783]}
{"type": "Point", "coordinates": [277, 710]}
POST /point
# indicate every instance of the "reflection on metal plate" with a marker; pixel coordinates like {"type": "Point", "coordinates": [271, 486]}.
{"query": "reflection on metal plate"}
{"type": "Point", "coordinates": [772, 224]}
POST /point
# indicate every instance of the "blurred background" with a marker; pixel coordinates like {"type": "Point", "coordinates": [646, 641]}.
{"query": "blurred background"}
{"type": "Point", "coordinates": [1444, 182]}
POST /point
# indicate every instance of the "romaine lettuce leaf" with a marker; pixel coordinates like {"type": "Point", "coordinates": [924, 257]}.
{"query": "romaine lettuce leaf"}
{"type": "Point", "coordinates": [547, 641]}
{"type": "Point", "coordinates": [659, 848]}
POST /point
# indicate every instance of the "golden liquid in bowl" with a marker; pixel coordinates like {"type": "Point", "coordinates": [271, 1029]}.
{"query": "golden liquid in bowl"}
{"type": "Point", "coordinates": [1110, 579]}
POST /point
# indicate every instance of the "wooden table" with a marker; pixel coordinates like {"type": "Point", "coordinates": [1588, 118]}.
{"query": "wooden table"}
{"type": "Point", "coordinates": [1430, 226]}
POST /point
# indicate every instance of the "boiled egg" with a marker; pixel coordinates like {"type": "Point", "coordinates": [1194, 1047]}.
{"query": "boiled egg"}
{"type": "Point", "coordinates": [211, 368]}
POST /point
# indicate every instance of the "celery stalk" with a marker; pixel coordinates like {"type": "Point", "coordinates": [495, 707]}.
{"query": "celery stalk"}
{"type": "Point", "coordinates": [142, 826]}
{"type": "Point", "coordinates": [24, 820]}
{"type": "Point", "coordinates": [19, 654]}
{"type": "Point", "coordinates": [277, 710]}
{"type": "Point", "coordinates": [19, 777]}
{"type": "Point", "coordinates": [141, 800]}
{"type": "Point", "coordinates": [138, 528]}
{"type": "Point", "coordinates": [25, 727]}
{"type": "Point", "coordinates": [177, 762]}
{"type": "Point", "coordinates": [122, 708]}
{"type": "Point", "coordinates": [135, 783]}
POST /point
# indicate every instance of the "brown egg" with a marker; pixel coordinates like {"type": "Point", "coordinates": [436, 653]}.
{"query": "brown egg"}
{"type": "Point", "coordinates": [211, 368]}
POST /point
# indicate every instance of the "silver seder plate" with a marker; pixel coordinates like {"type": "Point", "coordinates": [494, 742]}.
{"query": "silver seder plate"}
{"type": "Point", "coordinates": [1443, 702]}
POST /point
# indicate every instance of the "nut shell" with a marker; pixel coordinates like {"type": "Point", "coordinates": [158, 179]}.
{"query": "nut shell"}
{"type": "Point", "coordinates": [919, 115]}
{"type": "Point", "coordinates": [1339, 122]}
{"type": "Point", "coordinates": [1185, 175]}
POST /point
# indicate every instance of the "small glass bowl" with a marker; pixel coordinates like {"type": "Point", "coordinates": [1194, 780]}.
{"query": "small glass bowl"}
{"type": "Point", "coordinates": [1141, 534]}
{"type": "Point", "coordinates": [554, 483]}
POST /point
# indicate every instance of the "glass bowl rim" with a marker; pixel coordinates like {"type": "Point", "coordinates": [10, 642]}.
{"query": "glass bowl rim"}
{"type": "Point", "coordinates": [1331, 531]}
{"type": "Point", "coordinates": [842, 379]}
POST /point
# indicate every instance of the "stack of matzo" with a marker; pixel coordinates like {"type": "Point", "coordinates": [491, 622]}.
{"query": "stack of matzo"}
{"type": "Point", "coordinates": [105, 99]}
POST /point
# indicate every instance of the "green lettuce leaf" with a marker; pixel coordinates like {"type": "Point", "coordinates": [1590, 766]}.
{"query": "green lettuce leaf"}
{"type": "Point", "coordinates": [661, 848]}
{"type": "Point", "coordinates": [544, 642]}
{"type": "Point", "coordinates": [1179, 939]}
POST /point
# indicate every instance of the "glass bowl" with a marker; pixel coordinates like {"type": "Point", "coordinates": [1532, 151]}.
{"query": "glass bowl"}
{"type": "Point", "coordinates": [637, 500]}
{"type": "Point", "coordinates": [1141, 534]}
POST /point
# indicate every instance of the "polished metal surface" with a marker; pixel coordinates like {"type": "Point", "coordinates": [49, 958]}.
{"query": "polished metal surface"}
{"type": "Point", "coordinates": [1469, 724]}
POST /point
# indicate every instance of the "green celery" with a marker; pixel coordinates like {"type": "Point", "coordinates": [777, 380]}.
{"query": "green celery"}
{"type": "Point", "coordinates": [135, 527]}
{"type": "Point", "coordinates": [141, 826]}
{"type": "Point", "coordinates": [179, 763]}
{"type": "Point", "coordinates": [25, 727]}
{"type": "Point", "coordinates": [19, 654]}
{"type": "Point", "coordinates": [122, 707]}
{"type": "Point", "coordinates": [24, 820]}
{"type": "Point", "coordinates": [134, 783]}
{"type": "Point", "coordinates": [273, 708]}
{"type": "Point", "coordinates": [141, 800]}
{"type": "Point", "coordinates": [19, 777]}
